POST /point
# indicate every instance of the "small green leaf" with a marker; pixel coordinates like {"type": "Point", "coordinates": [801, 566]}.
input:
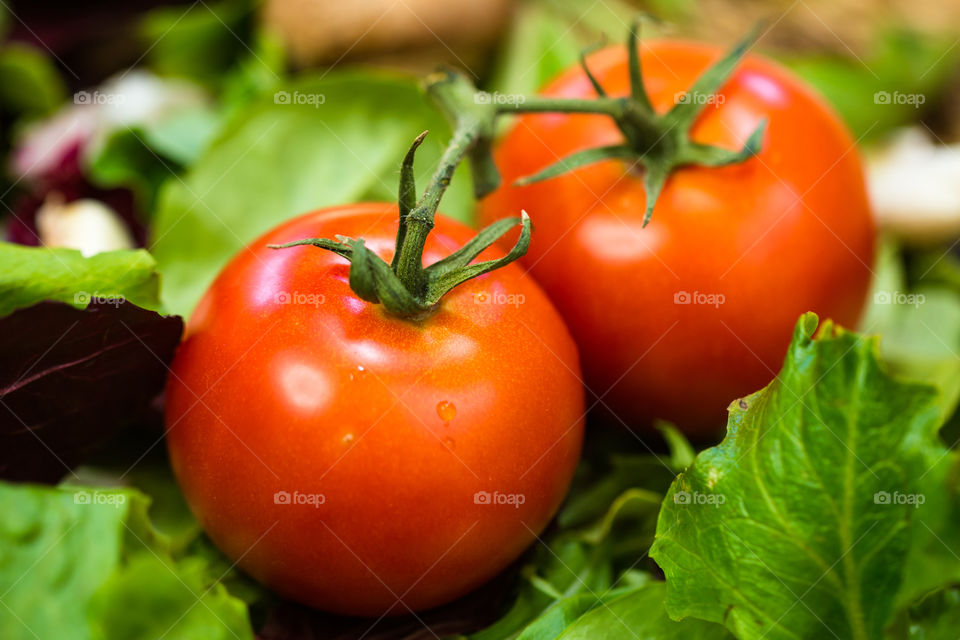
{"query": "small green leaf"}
{"type": "Point", "coordinates": [563, 613]}
{"type": "Point", "coordinates": [474, 247]}
{"type": "Point", "coordinates": [592, 495]}
{"type": "Point", "coordinates": [29, 81]}
{"type": "Point", "coordinates": [919, 326]}
{"type": "Point", "coordinates": [641, 615]}
{"type": "Point", "coordinates": [200, 42]}
{"type": "Point", "coordinates": [126, 160]}
{"type": "Point", "coordinates": [152, 597]}
{"type": "Point", "coordinates": [33, 274]}
{"type": "Point", "coordinates": [681, 451]}
{"type": "Point", "coordinates": [936, 617]}
{"type": "Point", "coordinates": [407, 196]}
{"type": "Point", "coordinates": [905, 73]}
{"type": "Point", "coordinates": [538, 46]}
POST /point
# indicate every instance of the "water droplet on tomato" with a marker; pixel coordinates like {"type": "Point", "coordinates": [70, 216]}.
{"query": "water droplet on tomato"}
{"type": "Point", "coordinates": [446, 410]}
{"type": "Point", "coordinates": [448, 442]}
{"type": "Point", "coordinates": [347, 438]}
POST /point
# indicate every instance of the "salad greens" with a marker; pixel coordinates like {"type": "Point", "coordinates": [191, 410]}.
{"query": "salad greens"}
{"type": "Point", "coordinates": [83, 563]}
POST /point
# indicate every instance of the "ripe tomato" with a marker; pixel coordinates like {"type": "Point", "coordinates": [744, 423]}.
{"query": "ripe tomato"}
{"type": "Point", "coordinates": [357, 462]}
{"type": "Point", "coordinates": [677, 319]}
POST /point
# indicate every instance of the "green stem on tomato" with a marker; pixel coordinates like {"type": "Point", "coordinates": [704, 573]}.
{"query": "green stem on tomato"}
{"type": "Point", "coordinates": [408, 258]}
{"type": "Point", "coordinates": [659, 143]}
{"type": "Point", "coordinates": [405, 287]}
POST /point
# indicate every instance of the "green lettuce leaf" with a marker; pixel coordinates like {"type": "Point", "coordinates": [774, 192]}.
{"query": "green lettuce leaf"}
{"type": "Point", "coordinates": [34, 274]}
{"type": "Point", "coordinates": [29, 81]}
{"type": "Point", "coordinates": [143, 157]}
{"type": "Point", "coordinates": [919, 322]}
{"type": "Point", "coordinates": [330, 139]}
{"type": "Point", "coordinates": [799, 524]}
{"type": "Point", "coordinates": [538, 47]}
{"type": "Point", "coordinates": [936, 617]}
{"type": "Point", "coordinates": [599, 549]}
{"type": "Point", "coordinates": [933, 562]}
{"type": "Point", "coordinates": [201, 43]}
{"type": "Point", "coordinates": [151, 598]}
{"type": "Point", "coordinates": [916, 66]}
{"type": "Point", "coordinates": [80, 563]}
{"type": "Point", "coordinates": [638, 615]}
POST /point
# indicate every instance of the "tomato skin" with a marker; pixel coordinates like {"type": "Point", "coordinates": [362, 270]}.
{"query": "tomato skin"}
{"type": "Point", "coordinates": [397, 424]}
{"type": "Point", "coordinates": [786, 232]}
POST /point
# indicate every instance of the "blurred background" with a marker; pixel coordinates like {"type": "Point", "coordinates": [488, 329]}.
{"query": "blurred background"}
{"type": "Point", "coordinates": [104, 102]}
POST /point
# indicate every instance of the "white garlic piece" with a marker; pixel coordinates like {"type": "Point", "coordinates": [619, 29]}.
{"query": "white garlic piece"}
{"type": "Point", "coordinates": [87, 225]}
{"type": "Point", "coordinates": [914, 187]}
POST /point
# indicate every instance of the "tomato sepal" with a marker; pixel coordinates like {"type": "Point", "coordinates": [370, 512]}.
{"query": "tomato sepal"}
{"type": "Point", "coordinates": [658, 143]}
{"type": "Point", "coordinates": [404, 287]}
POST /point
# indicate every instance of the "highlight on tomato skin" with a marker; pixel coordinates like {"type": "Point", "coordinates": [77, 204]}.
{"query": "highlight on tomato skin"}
{"type": "Point", "coordinates": [676, 318]}
{"type": "Point", "coordinates": [314, 435]}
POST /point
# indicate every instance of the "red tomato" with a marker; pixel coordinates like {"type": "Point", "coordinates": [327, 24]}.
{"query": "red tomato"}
{"type": "Point", "coordinates": [357, 462]}
{"type": "Point", "coordinates": [677, 319]}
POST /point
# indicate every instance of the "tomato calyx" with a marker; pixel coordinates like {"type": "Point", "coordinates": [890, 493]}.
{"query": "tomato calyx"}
{"type": "Point", "coordinates": [405, 287]}
{"type": "Point", "coordinates": [658, 143]}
